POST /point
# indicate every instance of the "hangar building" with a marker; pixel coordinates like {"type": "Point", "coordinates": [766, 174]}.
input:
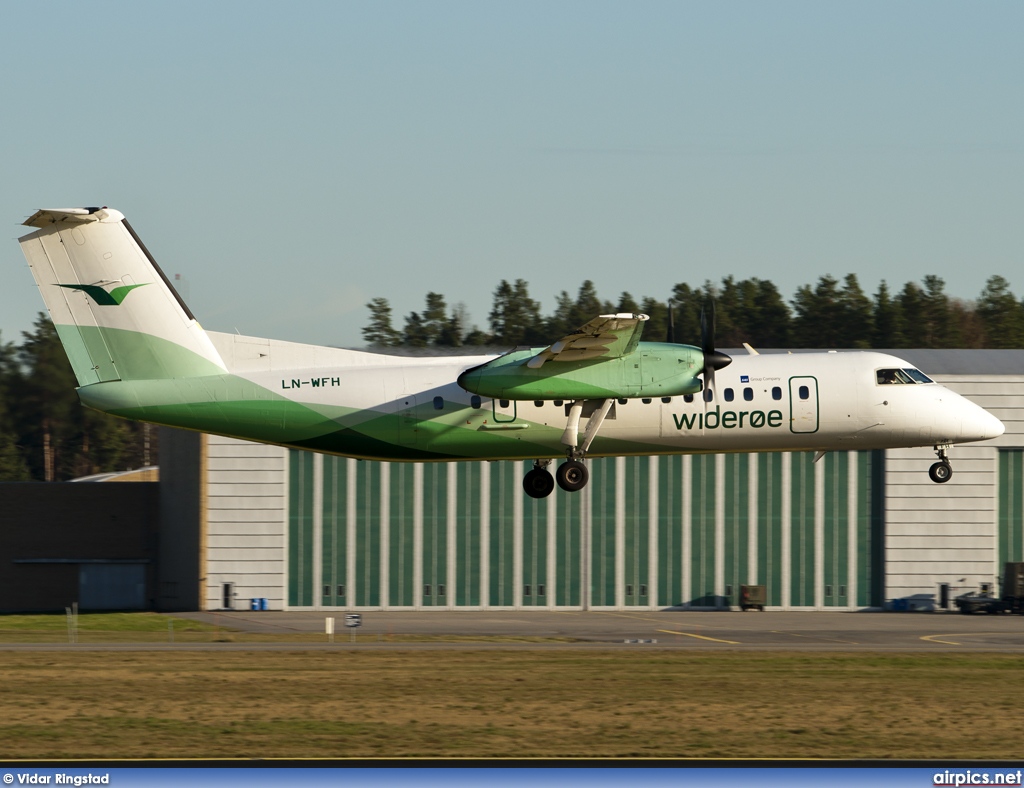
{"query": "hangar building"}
{"type": "Point", "coordinates": [243, 521]}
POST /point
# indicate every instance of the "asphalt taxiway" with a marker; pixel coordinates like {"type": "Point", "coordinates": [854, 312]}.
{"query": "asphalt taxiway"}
{"type": "Point", "coordinates": [767, 631]}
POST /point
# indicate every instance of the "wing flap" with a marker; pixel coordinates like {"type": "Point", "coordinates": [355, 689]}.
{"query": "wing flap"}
{"type": "Point", "coordinates": [606, 336]}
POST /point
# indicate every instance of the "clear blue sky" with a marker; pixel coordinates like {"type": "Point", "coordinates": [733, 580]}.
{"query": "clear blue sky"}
{"type": "Point", "coordinates": [293, 160]}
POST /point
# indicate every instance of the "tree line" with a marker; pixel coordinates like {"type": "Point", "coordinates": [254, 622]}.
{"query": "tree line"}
{"type": "Point", "coordinates": [45, 433]}
{"type": "Point", "coordinates": [829, 314]}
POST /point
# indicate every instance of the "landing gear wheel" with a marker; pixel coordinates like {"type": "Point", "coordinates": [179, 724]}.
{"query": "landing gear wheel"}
{"type": "Point", "coordinates": [538, 483]}
{"type": "Point", "coordinates": [572, 475]}
{"type": "Point", "coordinates": [941, 472]}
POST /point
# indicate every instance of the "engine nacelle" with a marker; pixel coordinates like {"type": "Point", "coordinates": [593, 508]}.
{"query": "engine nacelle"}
{"type": "Point", "coordinates": [654, 369]}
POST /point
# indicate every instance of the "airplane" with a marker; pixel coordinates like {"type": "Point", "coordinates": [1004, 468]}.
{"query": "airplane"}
{"type": "Point", "coordinates": [139, 353]}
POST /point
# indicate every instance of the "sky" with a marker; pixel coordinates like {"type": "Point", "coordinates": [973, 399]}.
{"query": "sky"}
{"type": "Point", "coordinates": [291, 161]}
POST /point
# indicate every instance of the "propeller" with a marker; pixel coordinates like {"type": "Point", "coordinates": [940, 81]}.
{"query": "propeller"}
{"type": "Point", "coordinates": [713, 359]}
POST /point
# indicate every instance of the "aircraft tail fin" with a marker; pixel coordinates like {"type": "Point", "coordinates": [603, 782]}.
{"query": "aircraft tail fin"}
{"type": "Point", "coordinates": [116, 313]}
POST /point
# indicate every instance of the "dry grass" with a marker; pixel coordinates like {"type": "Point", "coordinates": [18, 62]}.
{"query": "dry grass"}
{"type": "Point", "coordinates": [665, 704]}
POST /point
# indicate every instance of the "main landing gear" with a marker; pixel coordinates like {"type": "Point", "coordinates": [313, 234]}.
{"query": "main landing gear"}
{"type": "Point", "coordinates": [572, 475]}
{"type": "Point", "coordinates": [941, 472]}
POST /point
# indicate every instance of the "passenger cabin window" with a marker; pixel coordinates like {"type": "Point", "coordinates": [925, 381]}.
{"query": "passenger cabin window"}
{"type": "Point", "coordinates": [748, 394]}
{"type": "Point", "coordinates": [688, 398]}
{"type": "Point", "coordinates": [666, 400]}
{"type": "Point", "coordinates": [804, 392]}
{"type": "Point", "coordinates": [776, 392]}
{"type": "Point", "coordinates": [438, 403]}
{"type": "Point", "coordinates": [709, 395]}
{"type": "Point", "coordinates": [474, 401]}
{"type": "Point", "coordinates": [729, 395]}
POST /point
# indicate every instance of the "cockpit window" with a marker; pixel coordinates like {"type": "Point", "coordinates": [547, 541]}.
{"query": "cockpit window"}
{"type": "Point", "coordinates": [901, 376]}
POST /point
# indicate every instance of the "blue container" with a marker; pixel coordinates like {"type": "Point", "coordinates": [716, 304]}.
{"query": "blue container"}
{"type": "Point", "coordinates": [263, 604]}
{"type": "Point", "coordinates": [254, 604]}
{"type": "Point", "coordinates": [900, 605]}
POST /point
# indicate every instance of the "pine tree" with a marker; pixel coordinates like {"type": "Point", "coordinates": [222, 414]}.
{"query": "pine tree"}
{"type": "Point", "coordinates": [379, 331]}
{"type": "Point", "coordinates": [1001, 315]}
{"type": "Point", "coordinates": [887, 320]}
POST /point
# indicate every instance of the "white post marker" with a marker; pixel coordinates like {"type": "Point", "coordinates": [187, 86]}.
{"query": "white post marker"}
{"type": "Point", "coordinates": [329, 628]}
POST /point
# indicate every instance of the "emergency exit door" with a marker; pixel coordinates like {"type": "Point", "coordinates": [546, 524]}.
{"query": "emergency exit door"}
{"type": "Point", "coordinates": [803, 404]}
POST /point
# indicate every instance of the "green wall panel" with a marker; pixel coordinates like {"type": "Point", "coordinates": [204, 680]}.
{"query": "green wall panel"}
{"type": "Point", "coordinates": [801, 523]}
{"type": "Point", "coordinates": [670, 531]}
{"type": "Point", "coordinates": [770, 495]}
{"type": "Point", "coordinates": [335, 532]}
{"type": "Point", "coordinates": [505, 483]}
{"type": "Point", "coordinates": [534, 582]}
{"type": "Point", "coordinates": [568, 558]}
{"type": "Point", "coordinates": [1011, 506]}
{"type": "Point", "coordinates": [401, 537]}
{"type": "Point", "coordinates": [602, 531]}
{"type": "Point", "coordinates": [368, 533]}
{"type": "Point", "coordinates": [435, 533]}
{"type": "Point", "coordinates": [637, 532]}
{"type": "Point", "coordinates": [702, 591]}
{"type": "Point", "coordinates": [836, 529]}
{"type": "Point", "coordinates": [467, 534]}
{"type": "Point", "coordinates": [300, 529]}
{"type": "Point", "coordinates": [737, 524]}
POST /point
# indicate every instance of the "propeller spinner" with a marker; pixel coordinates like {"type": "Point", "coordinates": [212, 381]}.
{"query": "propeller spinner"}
{"type": "Point", "coordinates": [713, 359]}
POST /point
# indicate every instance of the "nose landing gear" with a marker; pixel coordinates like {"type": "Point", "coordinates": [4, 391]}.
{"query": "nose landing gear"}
{"type": "Point", "coordinates": [941, 472]}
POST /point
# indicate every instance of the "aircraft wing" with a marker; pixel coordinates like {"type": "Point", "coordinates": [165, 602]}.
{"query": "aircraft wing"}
{"type": "Point", "coordinates": [606, 336]}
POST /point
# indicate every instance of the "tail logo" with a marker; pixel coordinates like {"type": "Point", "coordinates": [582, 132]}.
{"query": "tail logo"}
{"type": "Point", "coordinates": [101, 296]}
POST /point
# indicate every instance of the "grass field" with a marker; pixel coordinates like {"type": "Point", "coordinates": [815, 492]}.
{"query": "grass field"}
{"type": "Point", "coordinates": [516, 704]}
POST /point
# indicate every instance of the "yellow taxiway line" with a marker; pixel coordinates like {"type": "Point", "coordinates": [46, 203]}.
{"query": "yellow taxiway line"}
{"type": "Point", "coordinates": [702, 637]}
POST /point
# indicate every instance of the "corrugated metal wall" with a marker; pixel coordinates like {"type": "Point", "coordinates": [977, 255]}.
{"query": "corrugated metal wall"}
{"type": "Point", "coordinates": [246, 519]}
{"type": "Point", "coordinates": [647, 532]}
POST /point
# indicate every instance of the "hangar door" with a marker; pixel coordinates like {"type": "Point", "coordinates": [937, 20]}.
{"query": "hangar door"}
{"type": "Point", "coordinates": [112, 586]}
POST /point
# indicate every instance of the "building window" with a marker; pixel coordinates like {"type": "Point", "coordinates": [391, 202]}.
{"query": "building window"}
{"type": "Point", "coordinates": [540, 590]}
{"type": "Point", "coordinates": [341, 590]}
{"type": "Point", "coordinates": [438, 403]}
{"type": "Point", "coordinates": [643, 590]}
{"type": "Point", "coordinates": [729, 396]}
{"type": "Point", "coordinates": [629, 590]}
{"type": "Point", "coordinates": [828, 590]}
{"type": "Point", "coordinates": [327, 590]}
{"type": "Point", "coordinates": [748, 394]}
{"type": "Point", "coordinates": [440, 589]}
{"type": "Point", "coordinates": [776, 392]}
{"type": "Point", "coordinates": [842, 590]}
{"type": "Point", "coordinates": [426, 590]}
{"type": "Point", "coordinates": [728, 590]}
{"type": "Point", "coordinates": [526, 591]}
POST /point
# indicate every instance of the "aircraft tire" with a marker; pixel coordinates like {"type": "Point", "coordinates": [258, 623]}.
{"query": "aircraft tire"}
{"type": "Point", "coordinates": [538, 483]}
{"type": "Point", "coordinates": [941, 472]}
{"type": "Point", "coordinates": [572, 475]}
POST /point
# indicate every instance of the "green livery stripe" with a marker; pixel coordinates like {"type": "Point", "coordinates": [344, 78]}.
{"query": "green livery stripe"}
{"type": "Point", "coordinates": [103, 354]}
